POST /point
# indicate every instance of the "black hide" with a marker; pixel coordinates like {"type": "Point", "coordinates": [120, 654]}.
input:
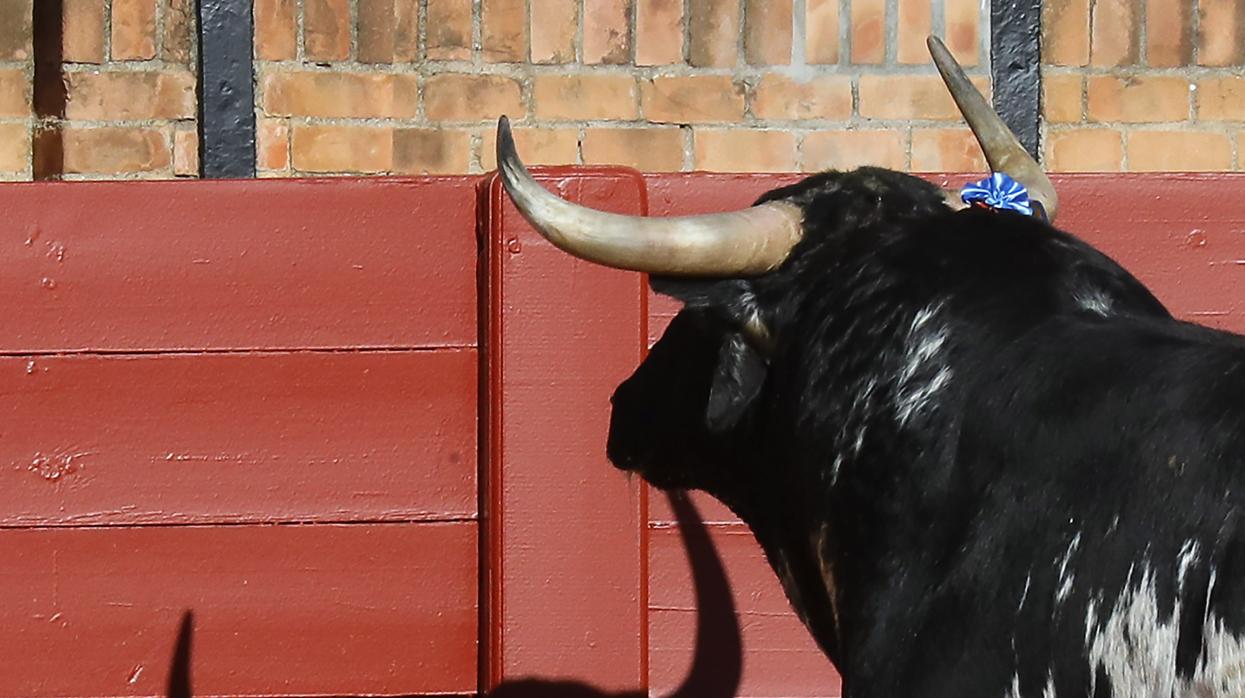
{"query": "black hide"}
{"type": "Point", "coordinates": [981, 457]}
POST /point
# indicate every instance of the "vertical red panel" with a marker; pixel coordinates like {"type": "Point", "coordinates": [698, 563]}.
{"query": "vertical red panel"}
{"type": "Point", "coordinates": [565, 532]}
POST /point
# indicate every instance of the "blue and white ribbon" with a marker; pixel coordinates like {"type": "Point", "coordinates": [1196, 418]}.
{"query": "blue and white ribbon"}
{"type": "Point", "coordinates": [998, 191]}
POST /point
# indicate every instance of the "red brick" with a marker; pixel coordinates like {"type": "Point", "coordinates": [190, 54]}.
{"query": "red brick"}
{"type": "Point", "coordinates": [388, 31]}
{"type": "Point", "coordinates": [1137, 99]}
{"type": "Point", "coordinates": [908, 97]}
{"type": "Point", "coordinates": [767, 32]}
{"type": "Point", "coordinates": [659, 32]}
{"type": "Point", "coordinates": [467, 97]}
{"type": "Point", "coordinates": [179, 40]}
{"type": "Point", "coordinates": [1065, 32]}
{"type": "Point", "coordinates": [946, 150]}
{"type": "Point", "coordinates": [607, 31]}
{"type": "Point", "coordinates": [646, 149]}
{"type": "Point", "coordinates": [821, 31]}
{"type": "Point", "coordinates": [185, 153]}
{"type": "Point", "coordinates": [554, 26]}
{"type": "Point", "coordinates": [340, 95]}
{"type": "Point", "coordinates": [713, 31]}
{"type": "Point", "coordinates": [1084, 150]}
{"type": "Point", "coordinates": [326, 29]}
{"type": "Point", "coordinates": [537, 146]}
{"type": "Point", "coordinates": [1062, 97]}
{"type": "Point", "coordinates": [14, 93]}
{"type": "Point", "coordinates": [743, 150]}
{"type": "Point", "coordinates": [376, 30]}
{"type": "Point", "coordinates": [14, 30]}
{"type": "Point", "coordinates": [272, 137]}
{"type": "Point", "coordinates": [1178, 151]}
{"type": "Point", "coordinates": [422, 151]}
{"type": "Point", "coordinates": [824, 97]}
{"type": "Point", "coordinates": [406, 31]}
{"type": "Point", "coordinates": [868, 31]}
{"type": "Point", "coordinates": [503, 31]}
{"type": "Point", "coordinates": [964, 30]}
{"type": "Point", "coordinates": [276, 34]}
{"type": "Point", "coordinates": [363, 149]}
{"type": "Point", "coordinates": [112, 151]}
{"type": "Point", "coordinates": [130, 95]}
{"type": "Point", "coordinates": [1221, 32]}
{"type": "Point", "coordinates": [915, 23]}
{"type": "Point", "coordinates": [133, 30]}
{"type": "Point", "coordinates": [1221, 99]}
{"type": "Point", "coordinates": [845, 150]}
{"type": "Point", "coordinates": [1115, 33]}
{"type": "Point", "coordinates": [1169, 33]}
{"type": "Point", "coordinates": [83, 25]}
{"type": "Point", "coordinates": [692, 99]}
{"type": "Point", "coordinates": [585, 96]}
{"type": "Point", "coordinates": [448, 30]}
{"type": "Point", "coordinates": [14, 148]}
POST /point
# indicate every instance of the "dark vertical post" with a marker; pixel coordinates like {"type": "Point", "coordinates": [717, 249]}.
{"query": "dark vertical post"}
{"type": "Point", "coordinates": [1015, 45]}
{"type": "Point", "coordinates": [226, 91]}
{"type": "Point", "coordinates": [48, 37]}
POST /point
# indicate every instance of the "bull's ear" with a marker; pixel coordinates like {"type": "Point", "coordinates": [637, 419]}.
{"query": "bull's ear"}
{"type": "Point", "coordinates": [737, 380]}
{"type": "Point", "coordinates": [741, 367]}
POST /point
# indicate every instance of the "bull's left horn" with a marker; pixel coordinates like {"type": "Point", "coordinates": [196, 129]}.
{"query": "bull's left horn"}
{"type": "Point", "coordinates": [738, 243]}
{"type": "Point", "coordinates": [1003, 151]}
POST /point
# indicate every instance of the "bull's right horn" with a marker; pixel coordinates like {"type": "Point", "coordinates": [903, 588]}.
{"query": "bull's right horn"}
{"type": "Point", "coordinates": [737, 243]}
{"type": "Point", "coordinates": [1003, 151]}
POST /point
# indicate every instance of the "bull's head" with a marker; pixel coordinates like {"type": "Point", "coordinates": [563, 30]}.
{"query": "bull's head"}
{"type": "Point", "coordinates": [675, 420]}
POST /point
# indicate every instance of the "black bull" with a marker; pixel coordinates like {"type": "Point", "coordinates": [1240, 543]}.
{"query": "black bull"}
{"type": "Point", "coordinates": [982, 458]}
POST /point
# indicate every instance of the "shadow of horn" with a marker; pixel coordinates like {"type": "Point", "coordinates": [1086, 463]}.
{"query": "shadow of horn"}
{"type": "Point", "coordinates": [179, 671]}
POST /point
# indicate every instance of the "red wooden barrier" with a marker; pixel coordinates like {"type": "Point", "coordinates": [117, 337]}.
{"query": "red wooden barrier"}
{"type": "Point", "coordinates": [261, 401]}
{"type": "Point", "coordinates": [249, 358]}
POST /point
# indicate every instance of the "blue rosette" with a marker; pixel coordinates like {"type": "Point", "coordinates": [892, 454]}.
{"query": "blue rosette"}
{"type": "Point", "coordinates": [999, 192]}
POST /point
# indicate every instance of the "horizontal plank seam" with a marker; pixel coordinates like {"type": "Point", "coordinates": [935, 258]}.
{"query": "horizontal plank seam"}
{"type": "Point", "coordinates": [74, 353]}
{"type": "Point", "coordinates": [236, 524]}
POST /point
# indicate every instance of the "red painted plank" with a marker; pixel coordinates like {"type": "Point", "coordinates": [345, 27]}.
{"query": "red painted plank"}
{"type": "Point", "coordinates": [1183, 235]}
{"type": "Point", "coordinates": [279, 610]}
{"type": "Point", "coordinates": [566, 536]}
{"type": "Point", "coordinates": [184, 438]}
{"type": "Point", "coordinates": [135, 266]}
{"type": "Point", "coordinates": [780, 659]}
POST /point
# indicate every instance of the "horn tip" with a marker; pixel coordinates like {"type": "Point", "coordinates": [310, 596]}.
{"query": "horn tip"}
{"type": "Point", "coordinates": [505, 142]}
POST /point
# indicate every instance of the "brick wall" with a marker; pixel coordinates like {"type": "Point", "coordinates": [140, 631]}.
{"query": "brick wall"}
{"type": "Point", "coordinates": [414, 86]}
{"type": "Point", "coordinates": [128, 107]}
{"type": "Point", "coordinates": [1144, 84]}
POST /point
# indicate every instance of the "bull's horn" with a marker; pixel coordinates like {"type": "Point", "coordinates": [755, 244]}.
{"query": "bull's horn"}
{"type": "Point", "coordinates": [1002, 150]}
{"type": "Point", "coordinates": [739, 243]}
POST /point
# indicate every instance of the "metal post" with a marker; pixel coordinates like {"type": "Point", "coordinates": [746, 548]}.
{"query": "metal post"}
{"type": "Point", "coordinates": [226, 90]}
{"type": "Point", "coordinates": [1015, 57]}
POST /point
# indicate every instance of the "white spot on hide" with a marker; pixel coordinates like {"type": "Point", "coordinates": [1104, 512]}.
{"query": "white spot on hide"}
{"type": "Point", "coordinates": [1136, 648]}
{"type": "Point", "coordinates": [921, 376]}
{"type": "Point", "coordinates": [1093, 300]}
{"type": "Point", "coordinates": [1065, 577]}
{"type": "Point", "coordinates": [1186, 558]}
